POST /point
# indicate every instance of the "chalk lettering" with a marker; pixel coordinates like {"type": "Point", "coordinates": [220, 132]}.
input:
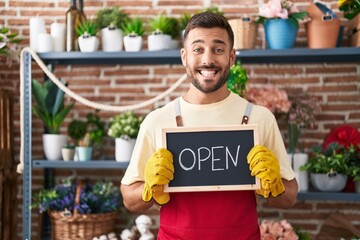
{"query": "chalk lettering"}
{"type": "Point", "coordinates": [180, 161]}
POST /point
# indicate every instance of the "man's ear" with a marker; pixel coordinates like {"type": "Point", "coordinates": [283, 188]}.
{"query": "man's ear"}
{"type": "Point", "coordinates": [183, 56]}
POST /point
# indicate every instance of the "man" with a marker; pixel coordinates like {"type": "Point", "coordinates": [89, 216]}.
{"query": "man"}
{"type": "Point", "coordinates": [207, 55]}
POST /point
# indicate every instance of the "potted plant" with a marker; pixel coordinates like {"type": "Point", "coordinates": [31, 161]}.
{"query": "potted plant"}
{"type": "Point", "coordinates": [159, 39]}
{"type": "Point", "coordinates": [301, 115]}
{"type": "Point", "coordinates": [80, 206]}
{"type": "Point", "coordinates": [50, 108]}
{"type": "Point", "coordinates": [87, 39]}
{"type": "Point", "coordinates": [124, 128]}
{"type": "Point", "coordinates": [328, 167]}
{"type": "Point", "coordinates": [84, 148]}
{"type": "Point", "coordinates": [174, 32]}
{"type": "Point", "coordinates": [68, 152]}
{"type": "Point", "coordinates": [238, 79]}
{"type": "Point", "coordinates": [280, 20]}
{"type": "Point", "coordinates": [133, 30]}
{"type": "Point", "coordinates": [109, 20]}
{"type": "Point", "coordinates": [7, 38]}
{"type": "Point", "coordinates": [351, 9]}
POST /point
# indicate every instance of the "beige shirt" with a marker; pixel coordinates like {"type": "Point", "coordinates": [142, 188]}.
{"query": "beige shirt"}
{"type": "Point", "coordinates": [226, 112]}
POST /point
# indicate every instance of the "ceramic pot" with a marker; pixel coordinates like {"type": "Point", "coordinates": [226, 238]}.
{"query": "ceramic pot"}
{"type": "Point", "coordinates": [159, 42]}
{"type": "Point", "coordinates": [330, 182]}
{"type": "Point", "coordinates": [111, 39]}
{"type": "Point", "coordinates": [83, 153]}
{"type": "Point", "coordinates": [52, 144]}
{"type": "Point", "coordinates": [88, 44]}
{"type": "Point", "coordinates": [133, 43]}
{"type": "Point", "coordinates": [124, 149]}
{"type": "Point", "coordinates": [280, 33]}
{"type": "Point", "coordinates": [297, 160]}
{"type": "Point", "coordinates": [68, 154]}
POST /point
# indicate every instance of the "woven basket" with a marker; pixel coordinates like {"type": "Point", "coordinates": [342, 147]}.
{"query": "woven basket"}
{"type": "Point", "coordinates": [245, 32]}
{"type": "Point", "coordinates": [67, 226]}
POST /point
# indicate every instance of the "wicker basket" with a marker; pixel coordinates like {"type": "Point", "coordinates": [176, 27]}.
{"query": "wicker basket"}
{"type": "Point", "coordinates": [245, 32]}
{"type": "Point", "coordinates": [67, 226]}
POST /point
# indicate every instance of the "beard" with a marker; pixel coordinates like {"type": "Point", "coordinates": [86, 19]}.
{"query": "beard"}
{"type": "Point", "coordinates": [205, 88]}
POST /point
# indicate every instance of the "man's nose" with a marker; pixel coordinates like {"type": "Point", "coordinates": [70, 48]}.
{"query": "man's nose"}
{"type": "Point", "coordinates": [207, 58]}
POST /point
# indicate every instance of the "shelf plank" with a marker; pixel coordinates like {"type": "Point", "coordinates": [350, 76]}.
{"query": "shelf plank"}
{"type": "Point", "coordinates": [94, 164]}
{"type": "Point", "coordinates": [249, 56]}
{"type": "Point", "coordinates": [334, 196]}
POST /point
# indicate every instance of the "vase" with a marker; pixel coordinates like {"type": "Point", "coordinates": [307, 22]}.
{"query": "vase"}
{"type": "Point", "coordinates": [133, 43]}
{"type": "Point", "coordinates": [68, 154]}
{"type": "Point", "coordinates": [159, 42]}
{"type": "Point", "coordinates": [280, 33]}
{"type": "Point", "coordinates": [297, 160]}
{"type": "Point", "coordinates": [124, 149]}
{"type": "Point", "coordinates": [328, 182]}
{"type": "Point", "coordinates": [111, 39]}
{"type": "Point", "coordinates": [88, 44]}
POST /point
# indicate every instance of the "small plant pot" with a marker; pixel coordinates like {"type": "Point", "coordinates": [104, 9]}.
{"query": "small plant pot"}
{"type": "Point", "coordinates": [88, 44]}
{"type": "Point", "coordinates": [52, 144]}
{"type": "Point", "coordinates": [159, 42]}
{"type": "Point", "coordinates": [329, 182]}
{"type": "Point", "coordinates": [133, 43]}
{"type": "Point", "coordinates": [280, 33]}
{"type": "Point", "coordinates": [68, 154]}
{"type": "Point", "coordinates": [124, 149]}
{"type": "Point", "coordinates": [83, 153]}
{"type": "Point", "coordinates": [111, 39]}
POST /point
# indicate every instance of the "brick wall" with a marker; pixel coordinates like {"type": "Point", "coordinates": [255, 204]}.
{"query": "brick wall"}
{"type": "Point", "coordinates": [335, 85]}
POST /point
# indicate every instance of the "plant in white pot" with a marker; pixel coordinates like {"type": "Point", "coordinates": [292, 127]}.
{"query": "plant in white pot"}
{"type": "Point", "coordinates": [50, 108]}
{"type": "Point", "coordinates": [124, 128]}
{"type": "Point", "coordinates": [301, 115]}
{"type": "Point", "coordinates": [328, 167]}
{"type": "Point", "coordinates": [109, 20]}
{"type": "Point", "coordinates": [87, 39]}
{"type": "Point", "coordinates": [159, 39]}
{"type": "Point", "coordinates": [133, 30]}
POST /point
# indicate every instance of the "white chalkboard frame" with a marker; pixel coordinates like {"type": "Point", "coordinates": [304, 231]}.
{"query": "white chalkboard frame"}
{"type": "Point", "coordinates": [202, 188]}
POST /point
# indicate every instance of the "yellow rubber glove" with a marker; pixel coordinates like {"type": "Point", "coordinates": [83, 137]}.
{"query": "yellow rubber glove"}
{"type": "Point", "coordinates": [264, 165]}
{"type": "Point", "coordinates": [159, 170]}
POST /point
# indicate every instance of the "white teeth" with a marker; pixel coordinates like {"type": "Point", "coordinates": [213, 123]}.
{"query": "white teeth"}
{"type": "Point", "coordinates": [207, 73]}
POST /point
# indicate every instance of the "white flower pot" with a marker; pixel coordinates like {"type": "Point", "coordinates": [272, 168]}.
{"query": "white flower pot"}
{"type": "Point", "coordinates": [159, 42]}
{"type": "Point", "coordinates": [302, 177]}
{"type": "Point", "coordinates": [88, 44]}
{"type": "Point", "coordinates": [174, 44]}
{"type": "Point", "coordinates": [68, 154]}
{"type": "Point", "coordinates": [332, 182]}
{"type": "Point", "coordinates": [111, 39]}
{"type": "Point", "coordinates": [52, 144]}
{"type": "Point", "coordinates": [133, 44]}
{"type": "Point", "coordinates": [124, 149]}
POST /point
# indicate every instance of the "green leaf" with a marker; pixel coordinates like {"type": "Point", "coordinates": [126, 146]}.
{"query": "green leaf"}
{"type": "Point", "coordinates": [60, 117]}
{"type": "Point", "coordinates": [39, 93]}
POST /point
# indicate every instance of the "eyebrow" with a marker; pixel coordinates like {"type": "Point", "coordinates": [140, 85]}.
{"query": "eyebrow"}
{"type": "Point", "coordinates": [218, 41]}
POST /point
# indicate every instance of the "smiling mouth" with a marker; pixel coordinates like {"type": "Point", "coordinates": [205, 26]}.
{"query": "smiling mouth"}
{"type": "Point", "coordinates": [208, 73]}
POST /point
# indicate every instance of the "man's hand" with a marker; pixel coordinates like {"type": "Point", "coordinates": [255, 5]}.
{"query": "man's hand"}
{"type": "Point", "coordinates": [159, 170]}
{"type": "Point", "coordinates": [264, 165]}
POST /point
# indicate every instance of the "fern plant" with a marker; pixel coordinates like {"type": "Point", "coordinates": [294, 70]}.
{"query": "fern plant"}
{"type": "Point", "coordinates": [110, 17]}
{"type": "Point", "coordinates": [133, 27]}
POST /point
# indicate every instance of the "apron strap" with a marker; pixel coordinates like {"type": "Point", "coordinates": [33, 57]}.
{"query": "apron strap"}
{"type": "Point", "coordinates": [247, 113]}
{"type": "Point", "coordinates": [178, 117]}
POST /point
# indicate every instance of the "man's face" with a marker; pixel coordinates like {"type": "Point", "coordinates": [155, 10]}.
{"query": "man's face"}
{"type": "Point", "coordinates": [207, 57]}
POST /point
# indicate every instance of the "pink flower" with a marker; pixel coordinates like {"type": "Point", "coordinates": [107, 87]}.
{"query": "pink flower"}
{"type": "Point", "coordinates": [272, 98]}
{"type": "Point", "coordinates": [272, 230]}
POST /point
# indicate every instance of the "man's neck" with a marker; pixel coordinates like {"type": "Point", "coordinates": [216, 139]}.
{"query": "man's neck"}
{"type": "Point", "coordinates": [195, 96]}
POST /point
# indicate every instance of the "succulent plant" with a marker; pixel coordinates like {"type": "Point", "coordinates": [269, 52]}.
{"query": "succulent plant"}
{"type": "Point", "coordinates": [87, 28]}
{"type": "Point", "coordinates": [133, 27]}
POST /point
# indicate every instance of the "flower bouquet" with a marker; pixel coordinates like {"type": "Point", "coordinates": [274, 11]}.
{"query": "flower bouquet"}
{"type": "Point", "coordinates": [300, 115]}
{"type": "Point", "coordinates": [270, 97]}
{"type": "Point", "coordinates": [281, 230]}
{"type": "Point", "coordinates": [80, 209]}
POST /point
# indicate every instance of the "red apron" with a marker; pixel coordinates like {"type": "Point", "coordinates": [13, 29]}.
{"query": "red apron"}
{"type": "Point", "coordinates": [223, 215]}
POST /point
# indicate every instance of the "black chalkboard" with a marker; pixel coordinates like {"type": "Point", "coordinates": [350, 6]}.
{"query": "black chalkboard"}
{"type": "Point", "coordinates": [211, 158]}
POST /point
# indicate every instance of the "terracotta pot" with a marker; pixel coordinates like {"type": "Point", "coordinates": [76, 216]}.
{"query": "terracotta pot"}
{"type": "Point", "coordinates": [354, 31]}
{"type": "Point", "coordinates": [323, 29]}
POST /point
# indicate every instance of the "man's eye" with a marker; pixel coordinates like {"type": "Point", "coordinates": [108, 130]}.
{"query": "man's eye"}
{"type": "Point", "coordinates": [219, 50]}
{"type": "Point", "coordinates": [197, 50]}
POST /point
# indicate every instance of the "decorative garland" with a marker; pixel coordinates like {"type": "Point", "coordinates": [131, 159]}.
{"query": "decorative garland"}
{"type": "Point", "coordinates": [77, 97]}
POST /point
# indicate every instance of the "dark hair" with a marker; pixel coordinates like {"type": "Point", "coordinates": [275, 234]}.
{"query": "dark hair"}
{"type": "Point", "coordinates": [210, 20]}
